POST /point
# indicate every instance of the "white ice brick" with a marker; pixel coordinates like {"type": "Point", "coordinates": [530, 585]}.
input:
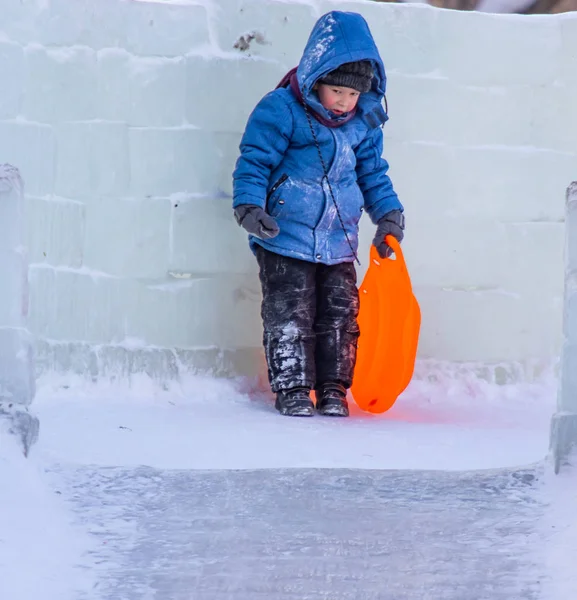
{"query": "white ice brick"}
{"type": "Point", "coordinates": [553, 117]}
{"type": "Point", "coordinates": [128, 238]}
{"type": "Point", "coordinates": [488, 50]}
{"type": "Point", "coordinates": [12, 267]}
{"type": "Point", "coordinates": [79, 305]}
{"type": "Point", "coordinates": [217, 108]}
{"type": "Point", "coordinates": [509, 184]}
{"type": "Point", "coordinates": [192, 313]}
{"type": "Point", "coordinates": [157, 92]}
{"type": "Point", "coordinates": [16, 357]}
{"type": "Point", "coordinates": [405, 34]}
{"type": "Point", "coordinates": [567, 125]}
{"type": "Point", "coordinates": [31, 148]}
{"type": "Point", "coordinates": [571, 231]}
{"type": "Point", "coordinates": [437, 110]}
{"type": "Point", "coordinates": [94, 23]}
{"type": "Point", "coordinates": [12, 252]}
{"type": "Point", "coordinates": [455, 253]}
{"type": "Point", "coordinates": [568, 396]}
{"type": "Point", "coordinates": [207, 239]}
{"type": "Point", "coordinates": [480, 253]}
{"type": "Point", "coordinates": [17, 21]}
{"type": "Point", "coordinates": [156, 28]}
{"type": "Point", "coordinates": [419, 108]}
{"type": "Point", "coordinates": [479, 116]}
{"type": "Point", "coordinates": [488, 326]}
{"type": "Point", "coordinates": [17, 372]}
{"type": "Point", "coordinates": [532, 260]}
{"type": "Point", "coordinates": [55, 231]}
{"type": "Point", "coordinates": [141, 91]}
{"type": "Point", "coordinates": [12, 78]}
{"type": "Point", "coordinates": [165, 161]}
{"type": "Point", "coordinates": [228, 152]}
{"type": "Point", "coordinates": [568, 56]}
{"type": "Point", "coordinates": [570, 315]}
{"type": "Point", "coordinates": [282, 28]}
{"type": "Point", "coordinates": [113, 69]}
{"type": "Point", "coordinates": [92, 160]}
{"type": "Point", "coordinates": [422, 175]}
{"type": "Point", "coordinates": [60, 84]}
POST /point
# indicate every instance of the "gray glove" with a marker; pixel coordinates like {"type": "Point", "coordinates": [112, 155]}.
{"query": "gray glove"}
{"type": "Point", "coordinates": [256, 221]}
{"type": "Point", "coordinates": [393, 223]}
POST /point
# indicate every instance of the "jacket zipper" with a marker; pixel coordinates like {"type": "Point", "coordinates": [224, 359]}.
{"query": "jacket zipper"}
{"type": "Point", "coordinates": [276, 186]}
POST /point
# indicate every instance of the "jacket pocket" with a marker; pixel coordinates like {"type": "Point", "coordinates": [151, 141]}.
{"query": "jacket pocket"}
{"type": "Point", "coordinates": [274, 202]}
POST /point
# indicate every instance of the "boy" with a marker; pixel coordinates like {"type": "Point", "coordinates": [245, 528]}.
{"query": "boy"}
{"type": "Point", "coordinates": [310, 162]}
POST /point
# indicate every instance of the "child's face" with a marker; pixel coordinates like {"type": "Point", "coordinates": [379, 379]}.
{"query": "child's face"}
{"type": "Point", "coordinates": [337, 99]}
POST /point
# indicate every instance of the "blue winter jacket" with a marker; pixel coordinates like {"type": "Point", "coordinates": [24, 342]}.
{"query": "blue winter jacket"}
{"type": "Point", "coordinates": [279, 167]}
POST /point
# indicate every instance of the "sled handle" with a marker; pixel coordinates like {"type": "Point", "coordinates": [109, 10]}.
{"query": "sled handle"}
{"type": "Point", "coordinates": [393, 244]}
{"type": "Point", "coordinates": [395, 247]}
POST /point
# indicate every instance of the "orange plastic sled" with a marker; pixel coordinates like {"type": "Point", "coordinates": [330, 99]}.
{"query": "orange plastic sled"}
{"type": "Point", "coordinates": [390, 322]}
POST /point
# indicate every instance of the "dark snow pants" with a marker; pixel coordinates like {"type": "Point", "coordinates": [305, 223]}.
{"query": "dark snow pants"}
{"type": "Point", "coordinates": [309, 314]}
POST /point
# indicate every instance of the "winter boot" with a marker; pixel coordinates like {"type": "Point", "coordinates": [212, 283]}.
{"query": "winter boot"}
{"type": "Point", "coordinates": [295, 402]}
{"type": "Point", "coordinates": [332, 400]}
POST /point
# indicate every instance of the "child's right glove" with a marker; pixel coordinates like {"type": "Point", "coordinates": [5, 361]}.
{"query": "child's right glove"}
{"type": "Point", "coordinates": [393, 223]}
{"type": "Point", "coordinates": [256, 221]}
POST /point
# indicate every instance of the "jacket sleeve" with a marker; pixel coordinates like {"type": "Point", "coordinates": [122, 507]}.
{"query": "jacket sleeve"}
{"type": "Point", "coordinates": [376, 186]}
{"type": "Point", "coordinates": [267, 136]}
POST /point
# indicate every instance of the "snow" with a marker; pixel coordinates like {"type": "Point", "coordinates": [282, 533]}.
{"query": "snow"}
{"type": "Point", "coordinates": [448, 424]}
{"type": "Point", "coordinates": [202, 490]}
{"type": "Point", "coordinates": [559, 535]}
{"type": "Point", "coordinates": [41, 553]}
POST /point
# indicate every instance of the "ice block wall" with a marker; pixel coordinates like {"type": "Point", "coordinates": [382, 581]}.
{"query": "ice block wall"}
{"type": "Point", "coordinates": [124, 118]}
{"type": "Point", "coordinates": [16, 356]}
{"type": "Point", "coordinates": [17, 369]}
{"type": "Point", "coordinates": [564, 424]}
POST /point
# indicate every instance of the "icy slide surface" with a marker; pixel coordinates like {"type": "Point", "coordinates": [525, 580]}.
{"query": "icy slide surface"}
{"type": "Point", "coordinates": [311, 534]}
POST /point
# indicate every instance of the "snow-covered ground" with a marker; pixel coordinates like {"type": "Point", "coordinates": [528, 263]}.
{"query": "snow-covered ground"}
{"type": "Point", "coordinates": [137, 493]}
{"type": "Point", "coordinates": [448, 424]}
{"type": "Point", "coordinates": [42, 555]}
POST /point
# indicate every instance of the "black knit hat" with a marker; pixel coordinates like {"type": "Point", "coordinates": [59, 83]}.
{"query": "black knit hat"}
{"type": "Point", "coordinates": [357, 75]}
